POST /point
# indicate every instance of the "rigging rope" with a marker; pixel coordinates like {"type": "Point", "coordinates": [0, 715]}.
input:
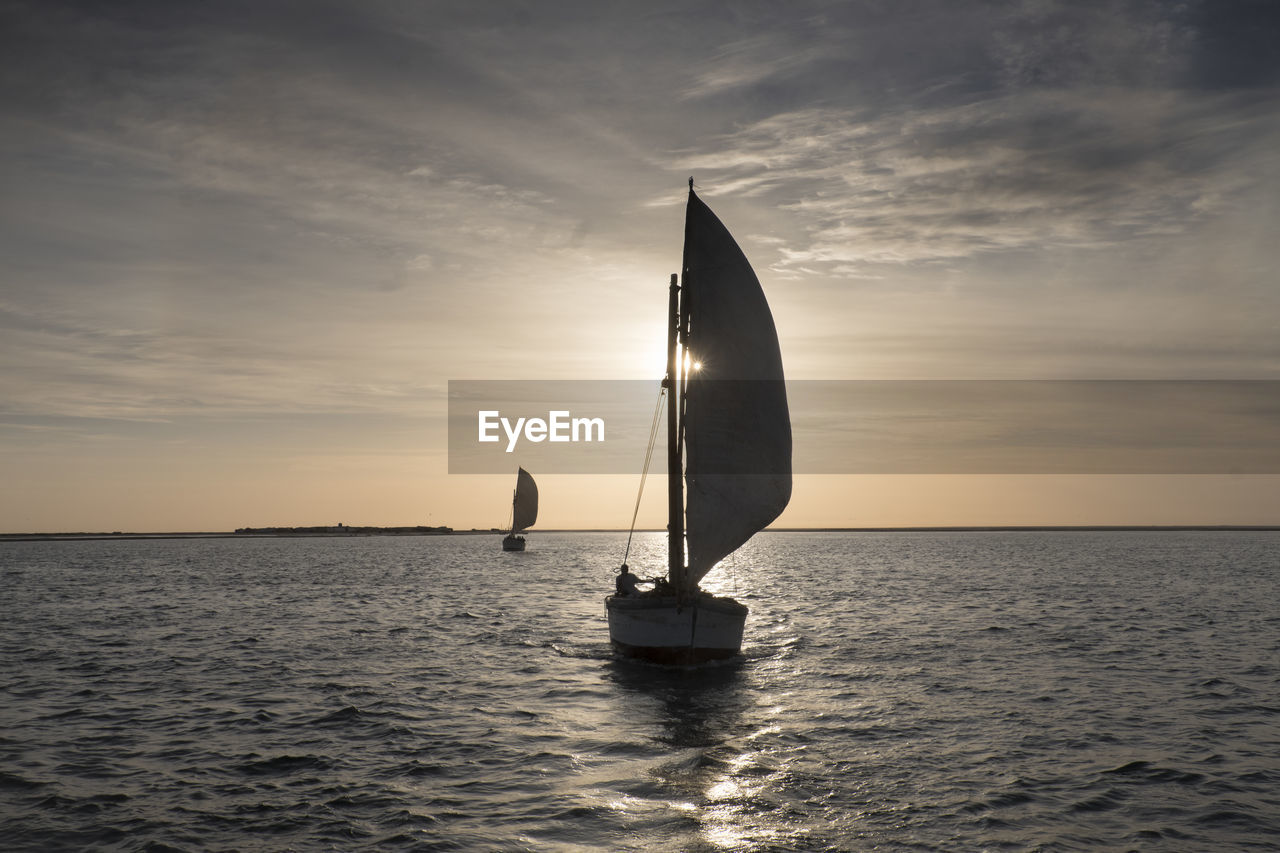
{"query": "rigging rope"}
{"type": "Point", "coordinates": [648, 454]}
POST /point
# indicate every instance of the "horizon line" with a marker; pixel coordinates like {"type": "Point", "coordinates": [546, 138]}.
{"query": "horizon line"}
{"type": "Point", "coordinates": [347, 531]}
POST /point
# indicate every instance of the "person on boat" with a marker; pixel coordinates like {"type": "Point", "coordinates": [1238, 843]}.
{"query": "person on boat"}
{"type": "Point", "coordinates": [625, 584]}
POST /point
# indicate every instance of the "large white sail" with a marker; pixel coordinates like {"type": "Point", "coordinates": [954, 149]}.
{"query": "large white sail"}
{"type": "Point", "coordinates": [524, 510]}
{"type": "Point", "coordinates": [737, 426]}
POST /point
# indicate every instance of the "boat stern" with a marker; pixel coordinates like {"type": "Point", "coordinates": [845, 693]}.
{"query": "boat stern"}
{"type": "Point", "coordinates": [662, 629]}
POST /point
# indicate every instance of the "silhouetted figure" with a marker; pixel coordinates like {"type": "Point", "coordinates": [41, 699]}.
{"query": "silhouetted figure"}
{"type": "Point", "coordinates": [626, 582]}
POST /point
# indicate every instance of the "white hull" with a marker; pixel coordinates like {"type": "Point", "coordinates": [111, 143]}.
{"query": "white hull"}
{"type": "Point", "coordinates": [513, 543]}
{"type": "Point", "coordinates": [658, 629]}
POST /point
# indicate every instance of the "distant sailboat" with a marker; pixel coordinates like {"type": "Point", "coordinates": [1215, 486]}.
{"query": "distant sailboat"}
{"type": "Point", "coordinates": [524, 511]}
{"type": "Point", "coordinates": [728, 434]}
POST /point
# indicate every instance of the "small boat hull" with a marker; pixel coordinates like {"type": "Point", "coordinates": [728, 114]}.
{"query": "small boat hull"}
{"type": "Point", "coordinates": [513, 543]}
{"type": "Point", "coordinates": [660, 629]}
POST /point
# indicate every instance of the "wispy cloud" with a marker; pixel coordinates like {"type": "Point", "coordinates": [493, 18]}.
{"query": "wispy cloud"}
{"type": "Point", "coordinates": [755, 60]}
{"type": "Point", "coordinates": [1080, 168]}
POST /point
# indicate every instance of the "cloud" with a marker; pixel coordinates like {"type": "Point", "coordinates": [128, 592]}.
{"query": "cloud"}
{"type": "Point", "coordinates": [229, 184]}
{"type": "Point", "coordinates": [755, 60]}
{"type": "Point", "coordinates": [1080, 168]}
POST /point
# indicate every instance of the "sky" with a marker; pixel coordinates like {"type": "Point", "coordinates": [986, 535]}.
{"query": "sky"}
{"type": "Point", "coordinates": [246, 245]}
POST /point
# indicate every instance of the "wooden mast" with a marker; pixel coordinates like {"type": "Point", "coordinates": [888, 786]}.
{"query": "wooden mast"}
{"type": "Point", "coordinates": [675, 474]}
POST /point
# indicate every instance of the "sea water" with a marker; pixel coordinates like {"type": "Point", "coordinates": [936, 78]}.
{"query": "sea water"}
{"type": "Point", "coordinates": [955, 691]}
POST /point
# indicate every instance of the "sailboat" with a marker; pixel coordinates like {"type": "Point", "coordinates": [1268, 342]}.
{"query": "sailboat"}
{"type": "Point", "coordinates": [728, 440]}
{"type": "Point", "coordinates": [524, 510]}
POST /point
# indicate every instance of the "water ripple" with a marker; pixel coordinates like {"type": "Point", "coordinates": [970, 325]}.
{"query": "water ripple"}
{"type": "Point", "coordinates": [948, 691]}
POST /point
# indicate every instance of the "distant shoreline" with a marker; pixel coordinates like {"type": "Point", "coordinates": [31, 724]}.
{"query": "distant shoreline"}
{"type": "Point", "coordinates": [350, 532]}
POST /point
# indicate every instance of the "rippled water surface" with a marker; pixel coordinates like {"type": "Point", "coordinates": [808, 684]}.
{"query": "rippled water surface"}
{"type": "Point", "coordinates": [898, 691]}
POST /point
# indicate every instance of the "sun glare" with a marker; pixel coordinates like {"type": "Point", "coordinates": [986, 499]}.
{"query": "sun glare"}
{"type": "Point", "coordinates": [655, 361]}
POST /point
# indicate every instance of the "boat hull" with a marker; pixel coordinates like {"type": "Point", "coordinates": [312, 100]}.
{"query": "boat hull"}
{"type": "Point", "coordinates": [661, 630]}
{"type": "Point", "coordinates": [513, 543]}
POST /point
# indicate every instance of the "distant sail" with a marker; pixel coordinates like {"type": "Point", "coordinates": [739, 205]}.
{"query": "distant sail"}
{"type": "Point", "coordinates": [737, 426]}
{"type": "Point", "coordinates": [525, 505]}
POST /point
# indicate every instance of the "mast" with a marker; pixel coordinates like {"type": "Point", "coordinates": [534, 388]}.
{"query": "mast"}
{"type": "Point", "coordinates": [675, 474]}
